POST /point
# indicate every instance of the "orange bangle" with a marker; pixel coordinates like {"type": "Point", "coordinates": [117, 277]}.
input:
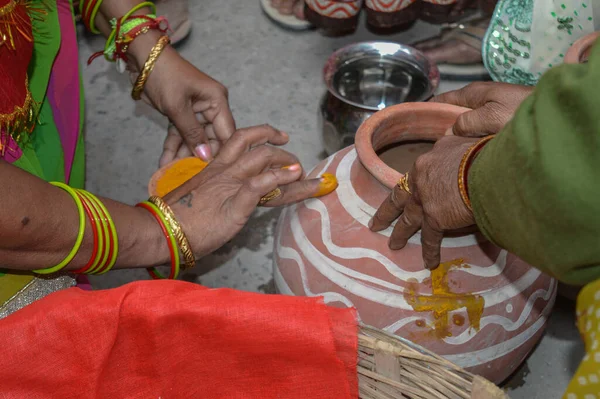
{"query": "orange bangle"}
{"type": "Point", "coordinates": [463, 170]}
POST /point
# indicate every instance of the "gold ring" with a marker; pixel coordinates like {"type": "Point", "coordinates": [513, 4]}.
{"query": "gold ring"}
{"type": "Point", "coordinates": [403, 183]}
{"type": "Point", "coordinates": [270, 196]}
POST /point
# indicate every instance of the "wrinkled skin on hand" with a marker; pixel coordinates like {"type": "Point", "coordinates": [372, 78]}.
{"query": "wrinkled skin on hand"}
{"type": "Point", "coordinates": [196, 104]}
{"type": "Point", "coordinates": [435, 205]}
{"type": "Point", "coordinates": [214, 205]}
{"type": "Point", "coordinates": [493, 106]}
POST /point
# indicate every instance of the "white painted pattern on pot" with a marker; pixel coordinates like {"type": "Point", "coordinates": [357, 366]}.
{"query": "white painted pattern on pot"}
{"type": "Point", "coordinates": [316, 256]}
{"type": "Point", "coordinates": [388, 5]}
{"type": "Point", "coordinates": [341, 9]}
{"type": "Point", "coordinates": [440, 2]}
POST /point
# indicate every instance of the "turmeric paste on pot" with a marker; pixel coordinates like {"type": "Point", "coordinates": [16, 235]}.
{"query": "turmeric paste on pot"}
{"type": "Point", "coordinates": [178, 173]}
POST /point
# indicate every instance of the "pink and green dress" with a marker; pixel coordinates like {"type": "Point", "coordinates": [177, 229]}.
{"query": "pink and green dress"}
{"type": "Point", "coordinates": [54, 151]}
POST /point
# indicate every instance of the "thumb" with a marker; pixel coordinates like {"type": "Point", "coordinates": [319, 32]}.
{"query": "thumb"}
{"type": "Point", "coordinates": [193, 133]}
{"type": "Point", "coordinates": [481, 122]}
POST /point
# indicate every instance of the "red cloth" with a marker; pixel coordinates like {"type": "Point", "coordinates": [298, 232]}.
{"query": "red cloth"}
{"type": "Point", "coordinates": [169, 339]}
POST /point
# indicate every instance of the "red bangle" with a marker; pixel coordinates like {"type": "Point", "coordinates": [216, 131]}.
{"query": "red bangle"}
{"type": "Point", "coordinates": [111, 242]}
{"type": "Point", "coordinates": [105, 236]}
{"type": "Point", "coordinates": [152, 271]}
{"type": "Point", "coordinates": [95, 232]}
{"type": "Point", "coordinates": [464, 167]}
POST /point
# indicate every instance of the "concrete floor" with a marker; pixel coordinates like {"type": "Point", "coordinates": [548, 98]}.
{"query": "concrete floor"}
{"type": "Point", "coordinates": [274, 76]}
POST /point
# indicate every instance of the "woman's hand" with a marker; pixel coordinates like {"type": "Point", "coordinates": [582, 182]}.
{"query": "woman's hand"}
{"type": "Point", "coordinates": [214, 205]}
{"type": "Point", "coordinates": [435, 204]}
{"type": "Point", "coordinates": [196, 105]}
{"type": "Point", "coordinates": [493, 105]}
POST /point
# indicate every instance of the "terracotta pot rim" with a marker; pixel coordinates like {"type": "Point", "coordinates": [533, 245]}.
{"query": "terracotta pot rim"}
{"type": "Point", "coordinates": [580, 47]}
{"type": "Point", "coordinates": [364, 137]}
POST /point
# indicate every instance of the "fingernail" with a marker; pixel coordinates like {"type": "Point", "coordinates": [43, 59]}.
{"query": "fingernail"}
{"type": "Point", "coordinates": [371, 224]}
{"type": "Point", "coordinates": [293, 167]}
{"type": "Point", "coordinates": [328, 184]}
{"type": "Point", "coordinates": [203, 152]}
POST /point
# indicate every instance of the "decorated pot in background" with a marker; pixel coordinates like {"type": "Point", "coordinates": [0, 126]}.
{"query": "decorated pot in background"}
{"type": "Point", "coordinates": [365, 77]}
{"type": "Point", "coordinates": [396, 14]}
{"type": "Point", "coordinates": [580, 50]}
{"type": "Point", "coordinates": [333, 17]}
{"type": "Point", "coordinates": [483, 308]}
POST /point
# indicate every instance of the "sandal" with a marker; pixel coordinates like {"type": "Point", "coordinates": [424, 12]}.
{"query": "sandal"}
{"type": "Point", "coordinates": [177, 12]}
{"type": "Point", "coordinates": [471, 34]}
{"type": "Point", "coordinates": [285, 21]}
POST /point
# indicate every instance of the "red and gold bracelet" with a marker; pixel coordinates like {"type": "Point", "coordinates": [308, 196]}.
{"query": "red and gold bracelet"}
{"type": "Point", "coordinates": [171, 243]}
{"type": "Point", "coordinates": [465, 165]}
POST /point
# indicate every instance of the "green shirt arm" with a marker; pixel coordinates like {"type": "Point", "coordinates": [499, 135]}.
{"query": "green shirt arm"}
{"type": "Point", "coordinates": [535, 188]}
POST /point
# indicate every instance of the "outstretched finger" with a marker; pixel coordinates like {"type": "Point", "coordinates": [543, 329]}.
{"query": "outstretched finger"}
{"type": "Point", "coordinates": [261, 159]}
{"type": "Point", "coordinates": [193, 133]}
{"type": "Point", "coordinates": [255, 188]}
{"type": "Point", "coordinates": [431, 242]}
{"type": "Point", "coordinates": [390, 210]}
{"type": "Point", "coordinates": [304, 189]}
{"type": "Point", "coordinates": [244, 140]}
{"type": "Point", "coordinates": [478, 123]}
{"type": "Point", "coordinates": [171, 146]}
{"type": "Point", "coordinates": [471, 96]}
{"type": "Point", "coordinates": [408, 224]}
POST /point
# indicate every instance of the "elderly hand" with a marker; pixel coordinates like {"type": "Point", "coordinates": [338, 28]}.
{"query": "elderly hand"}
{"type": "Point", "coordinates": [213, 206]}
{"type": "Point", "coordinates": [196, 104]}
{"type": "Point", "coordinates": [493, 106]}
{"type": "Point", "coordinates": [434, 205]}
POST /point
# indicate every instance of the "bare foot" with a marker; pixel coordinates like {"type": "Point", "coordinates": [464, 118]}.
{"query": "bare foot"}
{"type": "Point", "coordinates": [289, 7]}
{"type": "Point", "coordinates": [455, 51]}
{"type": "Point", "coordinates": [450, 52]}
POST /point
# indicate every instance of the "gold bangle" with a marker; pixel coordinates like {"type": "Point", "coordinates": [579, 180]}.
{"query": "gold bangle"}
{"type": "Point", "coordinates": [182, 241]}
{"type": "Point", "coordinates": [464, 168]}
{"type": "Point", "coordinates": [140, 82]}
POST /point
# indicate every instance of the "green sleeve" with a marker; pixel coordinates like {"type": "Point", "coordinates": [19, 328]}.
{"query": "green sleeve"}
{"type": "Point", "coordinates": [535, 188]}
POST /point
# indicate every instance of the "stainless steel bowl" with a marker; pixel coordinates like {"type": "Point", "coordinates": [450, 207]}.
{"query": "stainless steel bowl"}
{"type": "Point", "coordinates": [363, 78]}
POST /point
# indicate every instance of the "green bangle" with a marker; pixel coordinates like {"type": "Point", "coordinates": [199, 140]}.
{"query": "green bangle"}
{"type": "Point", "coordinates": [93, 28]}
{"type": "Point", "coordinates": [171, 238]}
{"type": "Point", "coordinates": [113, 232]}
{"type": "Point", "coordinates": [111, 43]}
{"type": "Point", "coordinates": [101, 260]}
{"type": "Point", "coordinates": [80, 234]}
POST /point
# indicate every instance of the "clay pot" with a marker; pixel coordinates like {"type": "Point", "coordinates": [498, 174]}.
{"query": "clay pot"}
{"type": "Point", "coordinates": [188, 168]}
{"type": "Point", "coordinates": [388, 17]}
{"type": "Point", "coordinates": [333, 17]}
{"type": "Point", "coordinates": [486, 309]}
{"type": "Point", "coordinates": [580, 50]}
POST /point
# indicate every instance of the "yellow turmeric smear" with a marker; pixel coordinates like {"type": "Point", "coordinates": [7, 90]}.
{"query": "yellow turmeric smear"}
{"type": "Point", "coordinates": [442, 301]}
{"type": "Point", "coordinates": [327, 185]}
{"type": "Point", "coordinates": [180, 172]}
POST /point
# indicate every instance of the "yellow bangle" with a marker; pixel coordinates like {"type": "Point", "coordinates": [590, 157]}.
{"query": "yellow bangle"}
{"type": "Point", "coordinates": [182, 241]}
{"type": "Point", "coordinates": [140, 82]}
{"type": "Point", "coordinates": [80, 234]}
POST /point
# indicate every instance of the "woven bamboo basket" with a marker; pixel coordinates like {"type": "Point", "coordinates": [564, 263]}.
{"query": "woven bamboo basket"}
{"type": "Point", "coordinates": [390, 367]}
